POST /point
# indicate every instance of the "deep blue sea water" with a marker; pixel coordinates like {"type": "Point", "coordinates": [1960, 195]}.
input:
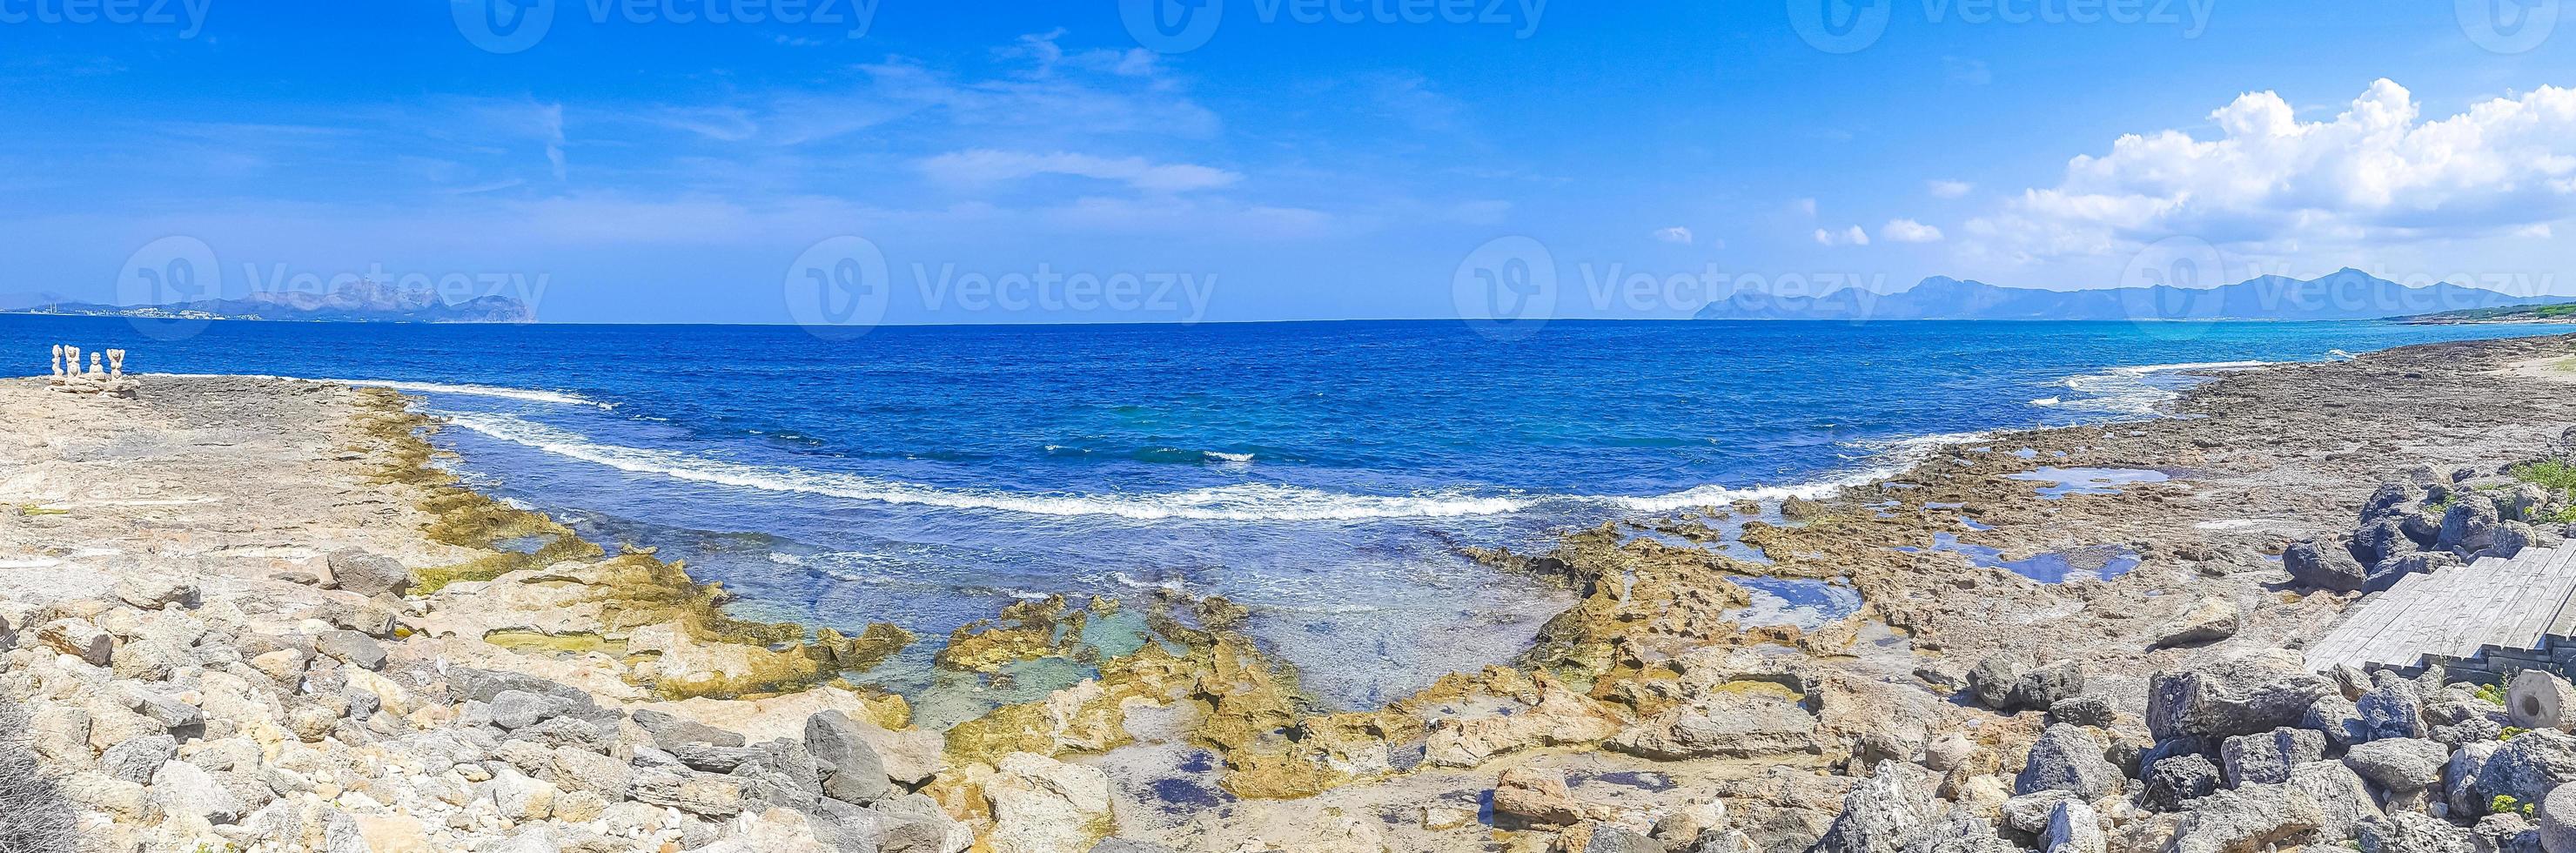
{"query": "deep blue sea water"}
{"type": "Point", "coordinates": [1316, 472]}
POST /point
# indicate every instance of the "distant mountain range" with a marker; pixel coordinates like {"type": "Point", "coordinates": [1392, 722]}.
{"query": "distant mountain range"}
{"type": "Point", "coordinates": [359, 302]}
{"type": "Point", "coordinates": [2346, 294]}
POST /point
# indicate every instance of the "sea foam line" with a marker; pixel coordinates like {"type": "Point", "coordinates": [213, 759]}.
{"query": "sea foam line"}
{"type": "Point", "coordinates": [2124, 390]}
{"type": "Point", "coordinates": [531, 395]}
{"type": "Point", "coordinates": [1244, 502]}
{"type": "Point", "coordinates": [1241, 502]}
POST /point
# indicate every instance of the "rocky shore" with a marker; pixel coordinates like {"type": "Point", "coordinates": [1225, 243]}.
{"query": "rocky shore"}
{"type": "Point", "coordinates": [254, 614]}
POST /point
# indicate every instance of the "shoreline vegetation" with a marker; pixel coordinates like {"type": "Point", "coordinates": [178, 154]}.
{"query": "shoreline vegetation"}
{"type": "Point", "coordinates": [241, 611]}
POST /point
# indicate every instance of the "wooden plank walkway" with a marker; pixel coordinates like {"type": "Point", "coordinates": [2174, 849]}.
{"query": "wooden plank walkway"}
{"type": "Point", "coordinates": [2458, 612]}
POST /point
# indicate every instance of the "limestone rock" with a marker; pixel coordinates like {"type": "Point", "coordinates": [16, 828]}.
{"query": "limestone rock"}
{"type": "Point", "coordinates": [1883, 813]}
{"type": "Point", "coordinates": [2229, 698]}
{"type": "Point", "coordinates": [2174, 782]}
{"type": "Point", "coordinates": [2042, 688]}
{"type": "Point", "coordinates": [852, 771]}
{"type": "Point", "coordinates": [153, 592]}
{"type": "Point", "coordinates": [2321, 803]}
{"type": "Point", "coordinates": [78, 638]}
{"type": "Point", "coordinates": [2410, 832]}
{"type": "Point", "coordinates": [2399, 764]}
{"type": "Point", "coordinates": [2327, 566]}
{"type": "Point", "coordinates": [2074, 828]}
{"type": "Point", "coordinates": [2068, 758]}
{"type": "Point", "coordinates": [2211, 620]}
{"type": "Point", "coordinates": [2525, 768]}
{"type": "Point", "coordinates": [1729, 724]}
{"type": "Point", "coordinates": [2469, 526]}
{"type": "Point", "coordinates": [1992, 680]}
{"type": "Point", "coordinates": [2265, 759]}
{"type": "Point", "coordinates": [1537, 797]}
{"type": "Point", "coordinates": [519, 709]}
{"type": "Point", "coordinates": [368, 573]}
{"type": "Point", "coordinates": [352, 648]}
{"type": "Point", "coordinates": [2558, 820]}
{"type": "Point", "coordinates": [181, 788]}
{"type": "Point", "coordinates": [1041, 805]}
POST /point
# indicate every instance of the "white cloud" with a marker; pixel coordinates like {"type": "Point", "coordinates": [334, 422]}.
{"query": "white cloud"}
{"type": "Point", "coordinates": [1852, 236]}
{"type": "Point", "coordinates": [1909, 231]}
{"type": "Point", "coordinates": [2373, 175]}
{"type": "Point", "coordinates": [2539, 231]}
{"type": "Point", "coordinates": [1947, 189]}
{"type": "Point", "coordinates": [1805, 206]}
{"type": "Point", "coordinates": [982, 165]}
{"type": "Point", "coordinates": [1675, 234]}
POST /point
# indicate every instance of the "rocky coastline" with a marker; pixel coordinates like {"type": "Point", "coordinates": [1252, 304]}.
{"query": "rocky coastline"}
{"type": "Point", "coordinates": [255, 614]}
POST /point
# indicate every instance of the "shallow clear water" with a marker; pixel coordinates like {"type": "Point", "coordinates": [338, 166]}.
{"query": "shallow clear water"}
{"type": "Point", "coordinates": [1320, 473]}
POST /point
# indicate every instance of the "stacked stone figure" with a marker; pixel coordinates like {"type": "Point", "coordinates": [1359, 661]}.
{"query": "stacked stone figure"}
{"type": "Point", "coordinates": [109, 380]}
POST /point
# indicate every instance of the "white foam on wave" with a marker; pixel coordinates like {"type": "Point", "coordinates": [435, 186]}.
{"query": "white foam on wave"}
{"type": "Point", "coordinates": [531, 395]}
{"type": "Point", "coordinates": [1243, 502]}
{"type": "Point", "coordinates": [1240, 502]}
{"type": "Point", "coordinates": [2126, 391]}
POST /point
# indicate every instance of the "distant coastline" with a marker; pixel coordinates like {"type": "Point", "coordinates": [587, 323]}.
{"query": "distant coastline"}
{"type": "Point", "coordinates": [2559, 312]}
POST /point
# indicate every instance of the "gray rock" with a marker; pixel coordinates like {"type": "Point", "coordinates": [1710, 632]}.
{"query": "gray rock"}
{"type": "Point", "coordinates": [2395, 708]}
{"type": "Point", "coordinates": [2521, 502]}
{"type": "Point", "coordinates": [153, 592]}
{"type": "Point", "coordinates": [1611, 838]}
{"type": "Point", "coordinates": [2328, 567]}
{"type": "Point", "coordinates": [2411, 832]}
{"type": "Point", "coordinates": [170, 713]}
{"type": "Point", "coordinates": [2068, 758]}
{"type": "Point", "coordinates": [368, 573]}
{"type": "Point", "coordinates": [714, 759]}
{"type": "Point", "coordinates": [2092, 711]}
{"type": "Point", "coordinates": [519, 709]}
{"type": "Point", "coordinates": [2557, 820]}
{"type": "Point", "coordinates": [2510, 538]}
{"type": "Point", "coordinates": [2042, 688]}
{"type": "Point", "coordinates": [2399, 764]}
{"type": "Point", "coordinates": [2460, 777]}
{"type": "Point", "coordinates": [1883, 813]}
{"type": "Point", "coordinates": [2174, 782]}
{"type": "Point", "coordinates": [2337, 718]}
{"type": "Point", "coordinates": [850, 769]}
{"type": "Point", "coordinates": [2209, 621]}
{"type": "Point", "coordinates": [670, 732]}
{"type": "Point", "coordinates": [2391, 501]}
{"type": "Point", "coordinates": [2469, 526]}
{"type": "Point", "coordinates": [703, 794]}
{"type": "Point", "coordinates": [2380, 540]}
{"type": "Point", "coordinates": [2505, 833]}
{"type": "Point", "coordinates": [2266, 759]}
{"type": "Point", "coordinates": [2322, 803]}
{"type": "Point", "coordinates": [352, 648]}
{"type": "Point", "coordinates": [2229, 698]}
{"type": "Point", "coordinates": [2526, 768]}
{"type": "Point", "coordinates": [1993, 678]}
{"type": "Point", "coordinates": [2028, 813]}
{"type": "Point", "coordinates": [135, 759]}
{"type": "Point", "coordinates": [181, 788]}
{"type": "Point", "coordinates": [2074, 828]}
{"type": "Point", "coordinates": [783, 776]}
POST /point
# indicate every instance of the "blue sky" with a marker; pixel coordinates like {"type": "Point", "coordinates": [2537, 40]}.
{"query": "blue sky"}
{"type": "Point", "coordinates": [630, 167]}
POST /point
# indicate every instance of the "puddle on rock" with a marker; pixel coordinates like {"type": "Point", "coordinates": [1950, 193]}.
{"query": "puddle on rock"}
{"type": "Point", "coordinates": [1800, 602]}
{"type": "Point", "coordinates": [2091, 562]}
{"type": "Point", "coordinates": [2087, 481]}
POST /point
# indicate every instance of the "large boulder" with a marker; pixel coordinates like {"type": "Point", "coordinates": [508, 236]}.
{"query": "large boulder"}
{"type": "Point", "coordinates": [2469, 526]}
{"type": "Point", "coordinates": [851, 769]}
{"type": "Point", "coordinates": [2068, 758]}
{"type": "Point", "coordinates": [368, 573]}
{"type": "Point", "coordinates": [2174, 782]}
{"type": "Point", "coordinates": [2209, 621]}
{"type": "Point", "coordinates": [1041, 805]}
{"type": "Point", "coordinates": [1884, 813]}
{"type": "Point", "coordinates": [2526, 768]}
{"type": "Point", "coordinates": [2393, 708]}
{"type": "Point", "coordinates": [1746, 723]}
{"type": "Point", "coordinates": [2391, 501]}
{"type": "Point", "coordinates": [2401, 765]}
{"type": "Point", "coordinates": [2321, 803]}
{"type": "Point", "coordinates": [2558, 820]}
{"type": "Point", "coordinates": [2266, 758]}
{"type": "Point", "coordinates": [2411, 832]}
{"type": "Point", "coordinates": [2229, 698]}
{"type": "Point", "coordinates": [2329, 567]}
{"type": "Point", "coordinates": [2042, 688]}
{"type": "Point", "coordinates": [1993, 678]}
